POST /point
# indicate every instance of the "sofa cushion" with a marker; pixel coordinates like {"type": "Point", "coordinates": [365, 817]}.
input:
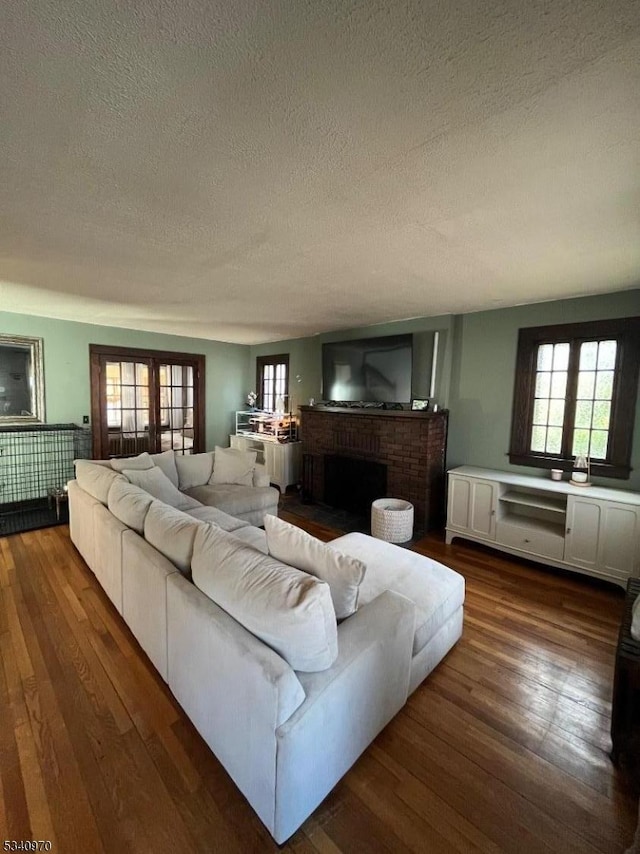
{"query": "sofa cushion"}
{"type": "Point", "coordinates": [129, 504]}
{"type": "Point", "coordinates": [193, 469]}
{"type": "Point", "coordinates": [252, 536]}
{"type": "Point", "coordinates": [217, 517]}
{"type": "Point", "coordinates": [172, 533]}
{"type": "Point", "coordinates": [436, 590]}
{"type": "Point", "coordinates": [96, 480]}
{"type": "Point", "coordinates": [289, 610]}
{"type": "Point", "coordinates": [156, 483]}
{"type": "Point", "coordinates": [296, 547]}
{"type": "Point", "coordinates": [261, 475]}
{"type": "Point", "coordinates": [166, 461]}
{"type": "Point", "coordinates": [234, 499]}
{"type": "Point", "coordinates": [233, 466]}
{"type": "Point", "coordinates": [141, 462]}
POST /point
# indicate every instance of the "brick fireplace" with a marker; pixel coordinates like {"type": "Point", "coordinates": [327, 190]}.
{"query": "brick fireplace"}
{"type": "Point", "coordinates": [411, 445]}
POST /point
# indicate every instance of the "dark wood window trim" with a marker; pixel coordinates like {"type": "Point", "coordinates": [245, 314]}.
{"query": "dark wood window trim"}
{"type": "Point", "coordinates": [626, 331]}
{"type": "Point", "coordinates": [261, 363]}
{"type": "Point", "coordinates": [98, 353]}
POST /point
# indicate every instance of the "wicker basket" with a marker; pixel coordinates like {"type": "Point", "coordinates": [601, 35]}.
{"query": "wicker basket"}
{"type": "Point", "coordinates": [392, 520]}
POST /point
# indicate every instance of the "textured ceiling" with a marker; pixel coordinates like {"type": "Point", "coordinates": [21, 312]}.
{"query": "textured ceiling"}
{"type": "Point", "coordinates": [250, 171]}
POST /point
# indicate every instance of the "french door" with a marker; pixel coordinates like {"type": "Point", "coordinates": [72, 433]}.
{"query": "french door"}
{"type": "Point", "coordinates": [146, 400]}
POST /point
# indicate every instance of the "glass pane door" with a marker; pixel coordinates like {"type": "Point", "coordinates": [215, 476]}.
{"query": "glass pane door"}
{"type": "Point", "coordinates": [176, 423]}
{"type": "Point", "coordinates": [127, 407]}
{"type": "Point", "coordinates": [146, 400]}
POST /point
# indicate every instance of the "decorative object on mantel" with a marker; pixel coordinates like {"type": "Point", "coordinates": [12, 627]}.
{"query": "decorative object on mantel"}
{"type": "Point", "coordinates": [580, 476]}
{"type": "Point", "coordinates": [419, 405]}
{"type": "Point", "coordinates": [251, 399]}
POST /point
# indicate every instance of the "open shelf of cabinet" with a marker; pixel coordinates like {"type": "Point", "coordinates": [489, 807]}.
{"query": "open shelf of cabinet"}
{"type": "Point", "coordinates": [537, 501]}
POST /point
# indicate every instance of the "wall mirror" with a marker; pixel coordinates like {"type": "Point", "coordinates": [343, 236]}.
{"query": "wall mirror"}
{"type": "Point", "coordinates": [21, 380]}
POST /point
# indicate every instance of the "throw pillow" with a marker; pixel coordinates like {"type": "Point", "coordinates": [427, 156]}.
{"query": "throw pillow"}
{"type": "Point", "coordinates": [295, 547]}
{"type": "Point", "coordinates": [287, 609]}
{"type": "Point", "coordinates": [156, 483]}
{"type": "Point", "coordinates": [193, 469]}
{"type": "Point", "coordinates": [231, 465]}
{"type": "Point", "coordinates": [167, 462]}
{"type": "Point", "coordinates": [142, 462]}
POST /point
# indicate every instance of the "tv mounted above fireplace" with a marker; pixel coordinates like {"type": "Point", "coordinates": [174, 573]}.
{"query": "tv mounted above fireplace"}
{"type": "Point", "coordinates": [368, 369]}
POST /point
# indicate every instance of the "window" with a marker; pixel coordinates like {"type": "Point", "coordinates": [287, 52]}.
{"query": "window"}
{"type": "Point", "coordinates": [273, 382]}
{"type": "Point", "coordinates": [575, 394]}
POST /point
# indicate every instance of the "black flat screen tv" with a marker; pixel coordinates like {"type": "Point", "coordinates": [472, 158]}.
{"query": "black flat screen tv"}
{"type": "Point", "coordinates": [368, 369]}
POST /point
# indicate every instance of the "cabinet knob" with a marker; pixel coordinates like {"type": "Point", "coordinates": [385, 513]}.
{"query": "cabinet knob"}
{"type": "Point", "coordinates": [568, 531]}
{"type": "Point", "coordinates": [493, 512]}
{"type": "Point", "coordinates": [527, 541]}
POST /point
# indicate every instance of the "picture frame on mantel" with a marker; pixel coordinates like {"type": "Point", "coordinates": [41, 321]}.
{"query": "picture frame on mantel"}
{"type": "Point", "coordinates": [419, 405]}
{"type": "Point", "coordinates": [21, 380]}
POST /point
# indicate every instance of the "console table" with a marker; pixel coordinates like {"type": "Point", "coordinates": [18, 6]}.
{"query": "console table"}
{"type": "Point", "coordinates": [592, 530]}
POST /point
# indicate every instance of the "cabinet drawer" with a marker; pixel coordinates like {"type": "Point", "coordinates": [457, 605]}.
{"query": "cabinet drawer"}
{"type": "Point", "coordinates": [530, 539]}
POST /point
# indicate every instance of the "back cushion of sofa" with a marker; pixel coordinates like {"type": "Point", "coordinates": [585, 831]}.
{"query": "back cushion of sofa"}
{"type": "Point", "coordinates": [96, 480]}
{"type": "Point", "coordinates": [289, 610]}
{"type": "Point", "coordinates": [142, 462]}
{"type": "Point", "coordinates": [172, 533]}
{"type": "Point", "coordinates": [129, 504]}
{"type": "Point", "coordinates": [156, 483]}
{"type": "Point", "coordinates": [193, 469]}
{"type": "Point", "coordinates": [166, 461]}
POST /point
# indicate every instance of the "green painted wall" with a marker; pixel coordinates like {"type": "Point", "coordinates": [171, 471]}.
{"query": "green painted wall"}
{"type": "Point", "coordinates": [66, 367]}
{"type": "Point", "coordinates": [475, 371]}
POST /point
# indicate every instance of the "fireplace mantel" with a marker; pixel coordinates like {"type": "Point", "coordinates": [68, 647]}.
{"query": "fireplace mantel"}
{"type": "Point", "coordinates": [364, 410]}
{"type": "Point", "coordinates": [411, 445]}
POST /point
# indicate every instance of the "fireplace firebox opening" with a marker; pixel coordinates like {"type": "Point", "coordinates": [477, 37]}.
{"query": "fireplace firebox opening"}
{"type": "Point", "coordinates": [352, 484]}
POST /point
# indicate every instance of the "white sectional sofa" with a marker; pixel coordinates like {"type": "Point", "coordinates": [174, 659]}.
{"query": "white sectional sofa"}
{"type": "Point", "coordinates": [286, 695]}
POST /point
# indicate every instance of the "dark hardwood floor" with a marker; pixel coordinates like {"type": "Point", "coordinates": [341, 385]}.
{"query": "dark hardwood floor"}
{"type": "Point", "coordinates": [503, 748]}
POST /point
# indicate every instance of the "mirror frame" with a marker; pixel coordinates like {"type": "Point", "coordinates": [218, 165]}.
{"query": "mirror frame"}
{"type": "Point", "coordinates": [35, 347]}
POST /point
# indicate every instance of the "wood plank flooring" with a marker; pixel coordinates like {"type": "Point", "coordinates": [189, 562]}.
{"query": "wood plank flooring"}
{"type": "Point", "coordinates": [503, 748]}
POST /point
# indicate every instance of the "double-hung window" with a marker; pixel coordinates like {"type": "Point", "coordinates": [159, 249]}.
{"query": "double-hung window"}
{"type": "Point", "coordinates": [273, 382]}
{"type": "Point", "coordinates": [575, 395]}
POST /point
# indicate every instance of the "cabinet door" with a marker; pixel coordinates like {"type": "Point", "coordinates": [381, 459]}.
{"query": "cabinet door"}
{"type": "Point", "coordinates": [482, 508]}
{"type": "Point", "coordinates": [582, 535]}
{"type": "Point", "coordinates": [459, 500]}
{"type": "Point", "coordinates": [472, 506]}
{"type": "Point", "coordinates": [620, 540]}
{"type": "Point", "coordinates": [271, 461]}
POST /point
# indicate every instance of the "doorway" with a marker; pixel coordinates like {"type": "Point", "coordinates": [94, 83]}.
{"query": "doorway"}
{"type": "Point", "coordinates": [146, 400]}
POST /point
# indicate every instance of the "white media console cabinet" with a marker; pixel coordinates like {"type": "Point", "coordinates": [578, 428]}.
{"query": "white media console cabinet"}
{"type": "Point", "coordinates": [591, 529]}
